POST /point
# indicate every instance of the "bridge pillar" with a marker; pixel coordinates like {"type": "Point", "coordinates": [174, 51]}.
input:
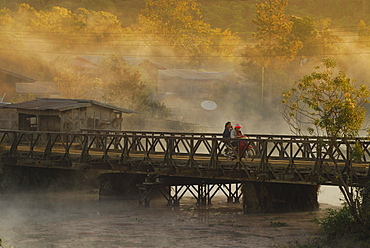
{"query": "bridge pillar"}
{"type": "Point", "coordinates": [120, 185]}
{"type": "Point", "coordinates": [262, 197]}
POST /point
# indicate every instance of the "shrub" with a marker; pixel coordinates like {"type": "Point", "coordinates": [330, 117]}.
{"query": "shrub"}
{"type": "Point", "coordinates": [337, 223]}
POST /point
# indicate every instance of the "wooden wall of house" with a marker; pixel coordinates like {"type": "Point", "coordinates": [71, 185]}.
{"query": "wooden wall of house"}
{"type": "Point", "coordinates": [92, 117]}
{"type": "Point", "coordinates": [38, 120]}
{"type": "Point", "coordinates": [102, 118]}
{"type": "Point", "coordinates": [50, 123]}
{"type": "Point", "coordinates": [73, 120]}
{"type": "Point", "coordinates": [8, 119]}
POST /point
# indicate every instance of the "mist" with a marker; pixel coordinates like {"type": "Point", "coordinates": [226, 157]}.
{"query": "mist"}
{"type": "Point", "coordinates": [32, 53]}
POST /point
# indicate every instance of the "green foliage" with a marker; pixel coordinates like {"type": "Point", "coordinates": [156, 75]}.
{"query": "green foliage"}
{"type": "Point", "coordinates": [365, 204]}
{"type": "Point", "coordinates": [337, 222]}
{"type": "Point", "coordinates": [153, 109]}
{"type": "Point", "coordinates": [22, 98]}
{"type": "Point", "coordinates": [340, 225]}
{"type": "Point", "coordinates": [278, 224]}
{"type": "Point", "coordinates": [139, 220]}
{"type": "Point", "coordinates": [326, 103]}
{"type": "Point", "coordinates": [357, 152]}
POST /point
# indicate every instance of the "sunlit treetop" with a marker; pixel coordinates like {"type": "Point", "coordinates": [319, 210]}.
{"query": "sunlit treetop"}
{"type": "Point", "coordinates": [276, 45]}
{"type": "Point", "coordinates": [179, 25]}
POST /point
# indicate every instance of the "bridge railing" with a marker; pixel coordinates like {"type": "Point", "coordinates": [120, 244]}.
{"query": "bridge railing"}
{"type": "Point", "coordinates": [277, 157]}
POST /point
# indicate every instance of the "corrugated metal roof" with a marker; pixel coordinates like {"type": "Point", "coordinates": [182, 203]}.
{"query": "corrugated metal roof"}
{"type": "Point", "coordinates": [97, 60]}
{"type": "Point", "coordinates": [17, 75]}
{"type": "Point", "coordinates": [37, 88]}
{"type": "Point", "coordinates": [62, 104]}
{"type": "Point", "coordinates": [193, 74]}
{"type": "Point", "coordinates": [138, 61]}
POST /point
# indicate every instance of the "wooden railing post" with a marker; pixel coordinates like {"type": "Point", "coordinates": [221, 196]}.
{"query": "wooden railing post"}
{"type": "Point", "coordinates": [264, 160]}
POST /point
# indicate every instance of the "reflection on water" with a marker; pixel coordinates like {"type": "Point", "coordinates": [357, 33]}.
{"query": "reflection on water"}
{"type": "Point", "coordinates": [78, 219]}
{"type": "Point", "coordinates": [330, 195]}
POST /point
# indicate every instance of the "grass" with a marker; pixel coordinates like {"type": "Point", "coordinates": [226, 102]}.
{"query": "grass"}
{"type": "Point", "coordinates": [278, 224]}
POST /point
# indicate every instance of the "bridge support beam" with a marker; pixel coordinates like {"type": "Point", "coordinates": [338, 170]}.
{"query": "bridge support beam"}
{"type": "Point", "coordinates": [117, 185]}
{"type": "Point", "coordinates": [262, 197]}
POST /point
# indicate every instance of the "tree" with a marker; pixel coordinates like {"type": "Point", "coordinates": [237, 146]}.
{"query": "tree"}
{"type": "Point", "coordinates": [326, 38]}
{"type": "Point", "coordinates": [124, 87]}
{"type": "Point", "coordinates": [62, 28]}
{"type": "Point", "coordinates": [81, 26]}
{"type": "Point", "coordinates": [57, 20]}
{"type": "Point", "coordinates": [363, 33]}
{"type": "Point", "coordinates": [276, 45]}
{"type": "Point", "coordinates": [326, 104]}
{"type": "Point", "coordinates": [75, 85]}
{"type": "Point", "coordinates": [332, 105]}
{"type": "Point", "coordinates": [179, 25]}
{"type": "Point", "coordinates": [233, 15]}
{"type": "Point", "coordinates": [316, 36]}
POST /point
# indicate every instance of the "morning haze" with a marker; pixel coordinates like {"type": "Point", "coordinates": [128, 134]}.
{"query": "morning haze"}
{"type": "Point", "coordinates": [216, 50]}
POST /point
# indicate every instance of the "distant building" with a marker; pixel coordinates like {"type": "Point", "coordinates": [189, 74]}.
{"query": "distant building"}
{"type": "Point", "coordinates": [92, 65]}
{"type": "Point", "coordinates": [13, 85]}
{"type": "Point", "coordinates": [192, 83]}
{"type": "Point", "coordinates": [61, 115]}
{"type": "Point", "coordinates": [183, 91]}
{"type": "Point", "coordinates": [38, 89]}
{"type": "Point", "coordinates": [8, 82]}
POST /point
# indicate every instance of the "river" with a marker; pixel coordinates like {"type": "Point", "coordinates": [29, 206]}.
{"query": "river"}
{"type": "Point", "coordinates": [79, 219]}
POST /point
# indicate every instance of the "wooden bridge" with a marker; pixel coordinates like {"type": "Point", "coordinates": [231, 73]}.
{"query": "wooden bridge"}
{"type": "Point", "coordinates": [178, 159]}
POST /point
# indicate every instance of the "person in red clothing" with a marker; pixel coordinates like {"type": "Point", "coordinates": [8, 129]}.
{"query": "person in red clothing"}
{"type": "Point", "coordinates": [237, 133]}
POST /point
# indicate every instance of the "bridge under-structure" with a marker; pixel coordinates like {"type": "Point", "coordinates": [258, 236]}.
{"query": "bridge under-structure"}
{"type": "Point", "coordinates": [173, 164]}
